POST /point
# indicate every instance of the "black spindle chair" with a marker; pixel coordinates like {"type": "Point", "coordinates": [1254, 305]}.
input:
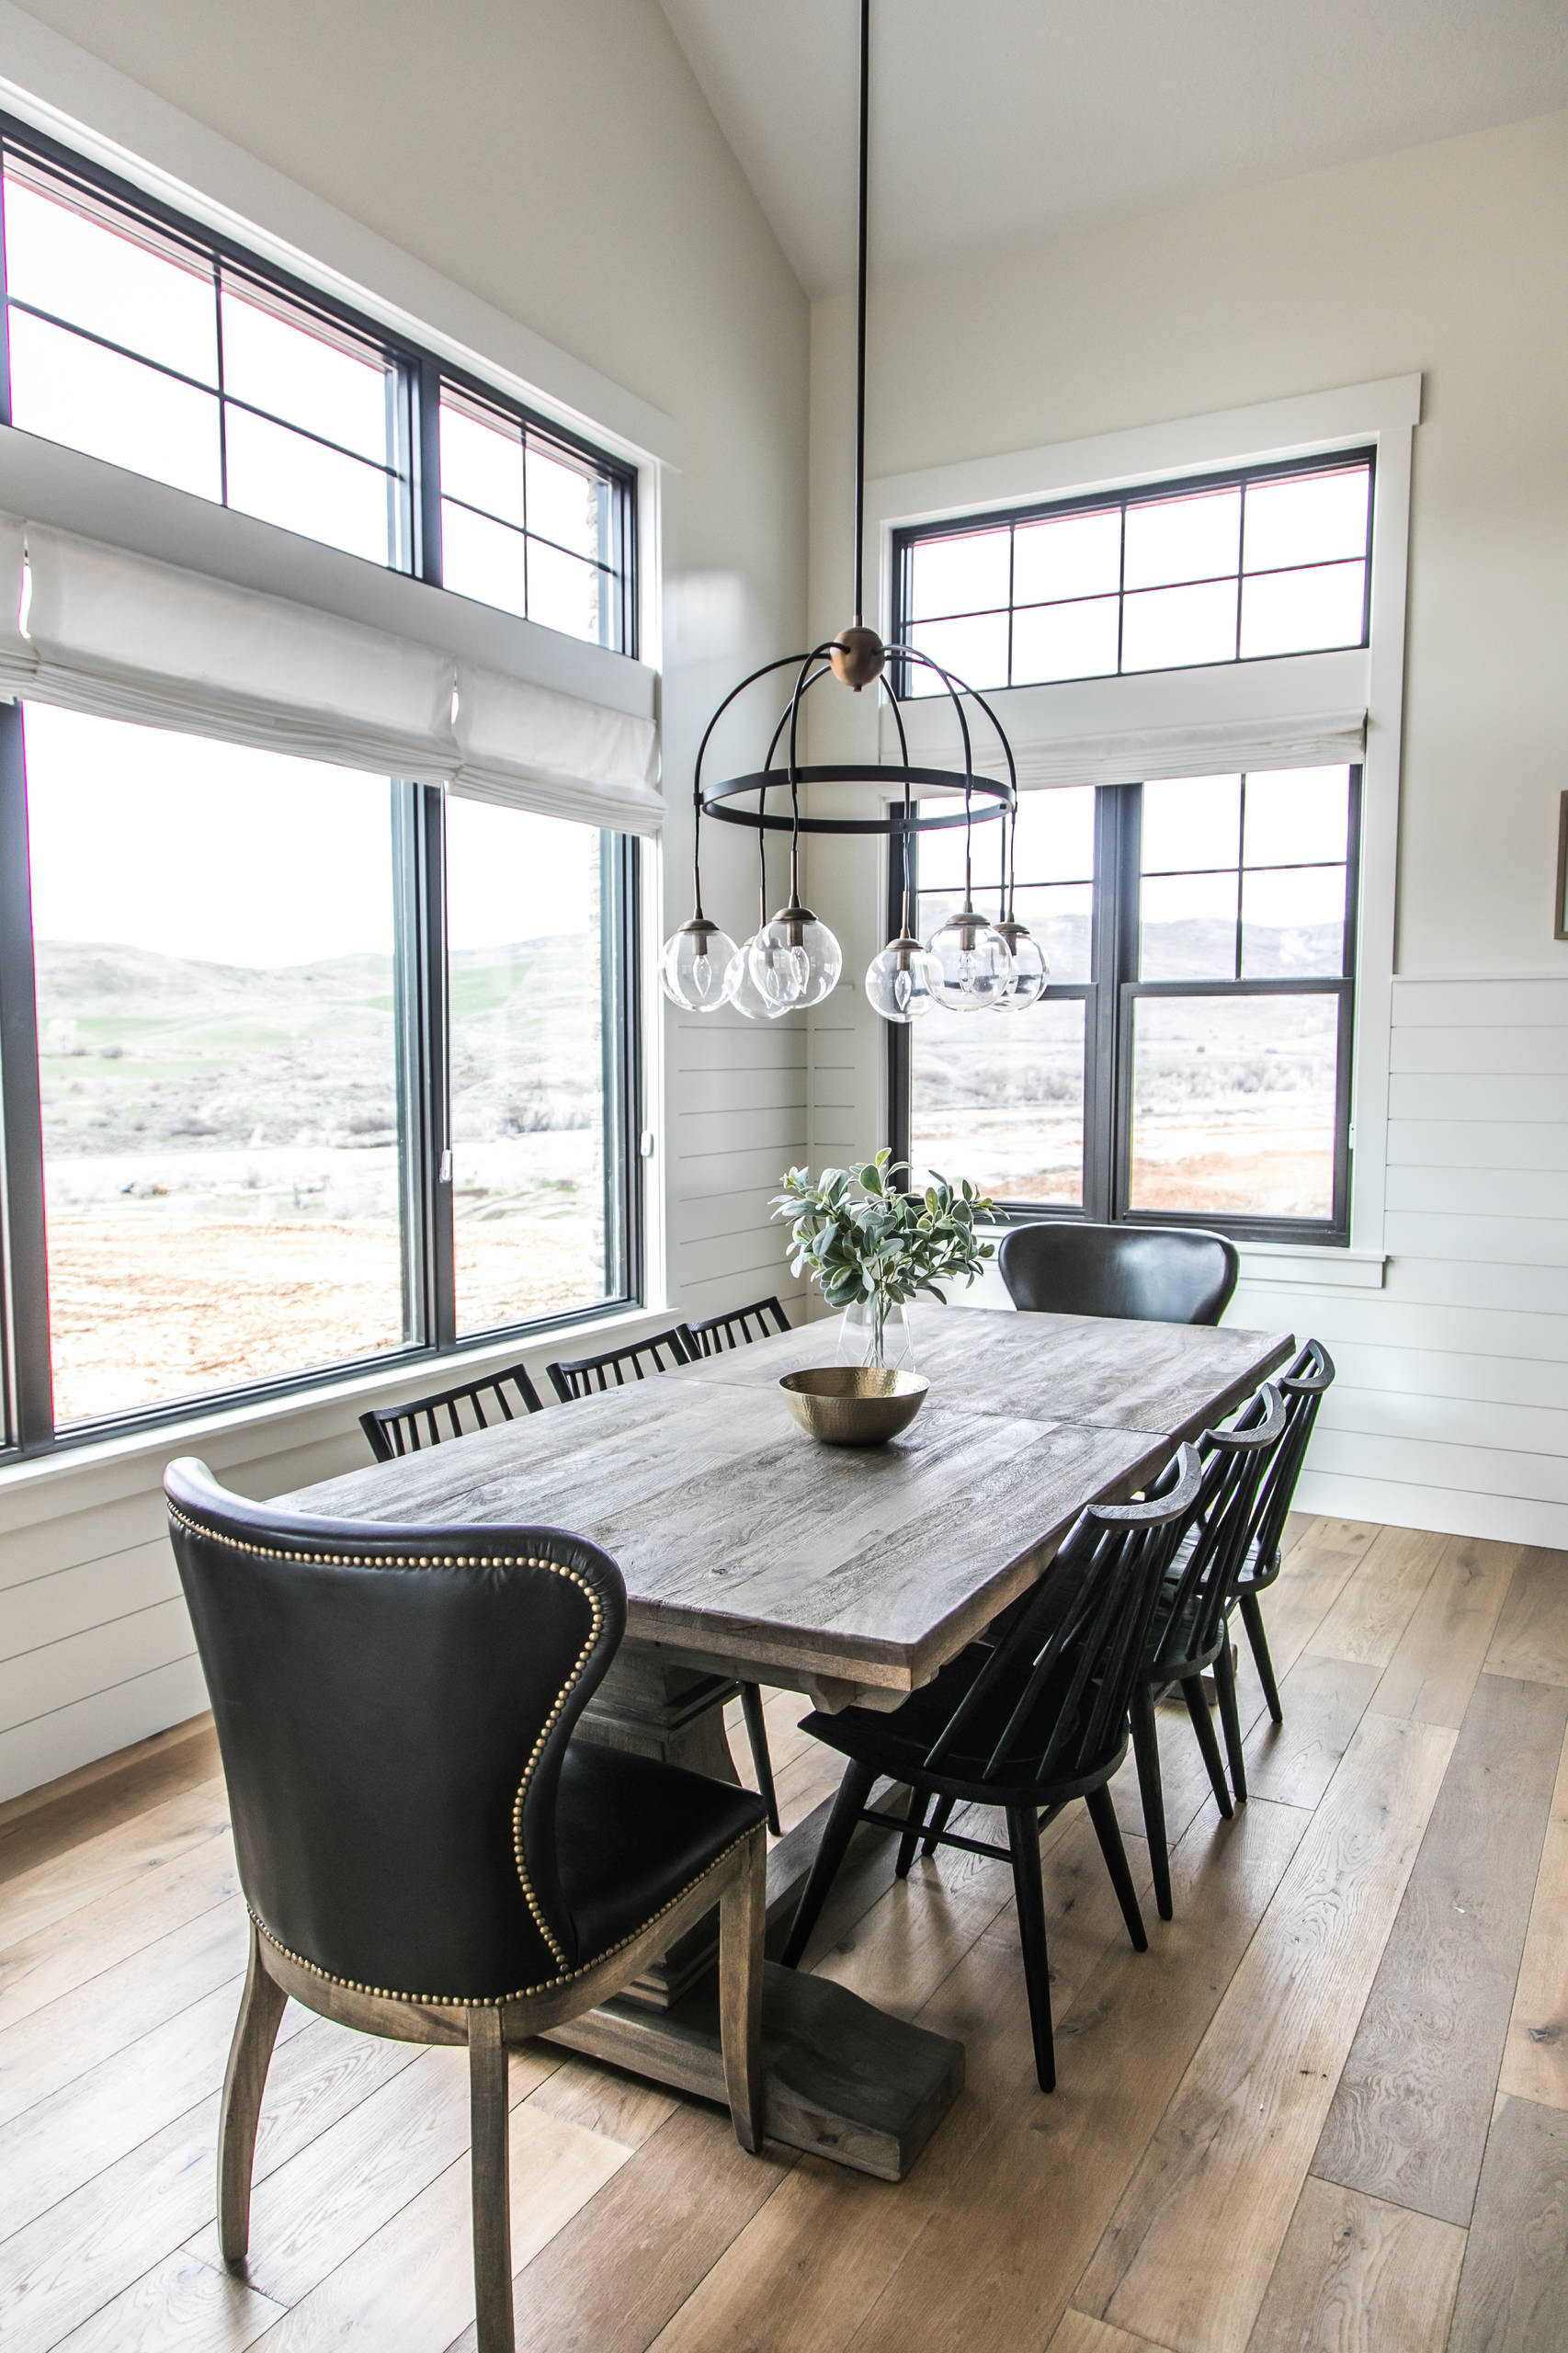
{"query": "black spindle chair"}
{"type": "Point", "coordinates": [1027, 1722]}
{"type": "Point", "coordinates": [713, 1334]}
{"type": "Point", "coordinates": [1302, 1384]}
{"type": "Point", "coordinates": [394, 1430]}
{"type": "Point", "coordinates": [426, 1851]}
{"type": "Point", "coordinates": [584, 1375]}
{"type": "Point", "coordinates": [591, 1375]}
{"type": "Point", "coordinates": [1158, 1274]}
{"type": "Point", "coordinates": [1189, 1632]}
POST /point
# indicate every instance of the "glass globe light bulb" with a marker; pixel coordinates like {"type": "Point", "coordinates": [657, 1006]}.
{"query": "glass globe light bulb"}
{"type": "Point", "coordinates": [1030, 971]}
{"type": "Point", "coordinates": [744, 994]}
{"type": "Point", "coordinates": [694, 967]}
{"type": "Point", "coordinates": [901, 983]}
{"type": "Point", "coordinates": [795, 960]}
{"type": "Point", "coordinates": [975, 963]}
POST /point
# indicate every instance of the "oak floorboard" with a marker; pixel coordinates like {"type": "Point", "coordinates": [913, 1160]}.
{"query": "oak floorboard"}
{"type": "Point", "coordinates": [1434, 1668]}
{"type": "Point", "coordinates": [1532, 1641]}
{"type": "Point", "coordinates": [1377, 1602]}
{"type": "Point", "coordinates": [97, 1798]}
{"type": "Point", "coordinates": [1513, 2293]}
{"type": "Point", "coordinates": [1535, 2057]}
{"type": "Point", "coordinates": [972, 2275]}
{"type": "Point", "coordinates": [608, 2281]}
{"type": "Point", "coordinates": [179, 2306]}
{"type": "Point", "coordinates": [313, 2212]}
{"type": "Point", "coordinates": [1187, 2257]}
{"type": "Point", "coordinates": [1076, 2333]}
{"type": "Point", "coordinates": [83, 2029]}
{"type": "Point", "coordinates": [1355, 2271]}
{"type": "Point", "coordinates": [1323, 1700]}
{"type": "Point", "coordinates": [85, 1943]}
{"type": "Point", "coordinates": [1409, 2117]}
{"type": "Point", "coordinates": [1316, 1569]}
{"type": "Point", "coordinates": [63, 1883]}
{"type": "Point", "coordinates": [409, 2287]}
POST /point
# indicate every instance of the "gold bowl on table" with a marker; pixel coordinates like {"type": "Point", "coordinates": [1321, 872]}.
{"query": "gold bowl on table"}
{"type": "Point", "coordinates": [853, 1405]}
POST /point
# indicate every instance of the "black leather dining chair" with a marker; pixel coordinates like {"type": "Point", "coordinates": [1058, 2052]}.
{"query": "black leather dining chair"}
{"type": "Point", "coordinates": [1189, 1632]}
{"type": "Point", "coordinates": [711, 1334]}
{"type": "Point", "coordinates": [1157, 1274]}
{"type": "Point", "coordinates": [426, 1851]}
{"type": "Point", "coordinates": [1302, 1385]}
{"type": "Point", "coordinates": [394, 1430]}
{"type": "Point", "coordinates": [1027, 1722]}
{"type": "Point", "coordinates": [590, 1375]}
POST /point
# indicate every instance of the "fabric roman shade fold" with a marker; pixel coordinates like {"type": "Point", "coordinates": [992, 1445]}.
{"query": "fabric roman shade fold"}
{"type": "Point", "coordinates": [127, 637]}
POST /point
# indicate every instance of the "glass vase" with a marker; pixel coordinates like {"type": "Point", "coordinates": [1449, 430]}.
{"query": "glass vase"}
{"type": "Point", "coordinates": [878, 1332]}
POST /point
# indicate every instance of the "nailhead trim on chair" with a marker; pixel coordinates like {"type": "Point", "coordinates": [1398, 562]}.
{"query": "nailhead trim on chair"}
{"type": "Point", "coordinates": [450, 1560]}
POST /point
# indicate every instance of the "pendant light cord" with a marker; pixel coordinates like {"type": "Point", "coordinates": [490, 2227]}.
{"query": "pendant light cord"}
{"type": "Point", "coordinates": [860, 317]}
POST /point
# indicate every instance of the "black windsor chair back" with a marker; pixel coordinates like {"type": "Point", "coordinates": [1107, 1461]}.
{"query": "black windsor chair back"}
{"type": "Point", "coordinates": [584, 1375]}
{"type": "Point", "coordinates": [1190, 1626]}
{"type": "Point", "coordinates": [1027, 1722]}
{"type": "Point", "coordinates": [395, 1430]}
{"type": "Point", "coordinates": [1302, 1384]}
{"type": "Point", "coordinates": [712, 1334]}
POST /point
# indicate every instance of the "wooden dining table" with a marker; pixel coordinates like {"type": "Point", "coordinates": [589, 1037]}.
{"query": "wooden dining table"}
{"type": "Point", "coordinates": [753, 1553]}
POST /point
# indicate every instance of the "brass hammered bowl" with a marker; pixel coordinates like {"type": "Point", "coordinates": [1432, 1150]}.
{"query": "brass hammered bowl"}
{"type": "Point", "coordinates": [853, 1404]}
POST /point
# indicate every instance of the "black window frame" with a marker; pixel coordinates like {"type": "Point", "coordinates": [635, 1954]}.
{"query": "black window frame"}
{"type": "Point", "coordinates": [416, 375]}
{"type": "Point", "coordinates": [907, 537]}
{"type": "Point", "coordinates": [418, 819]}
{"type": "Point", "coordinates": [1110, 995]}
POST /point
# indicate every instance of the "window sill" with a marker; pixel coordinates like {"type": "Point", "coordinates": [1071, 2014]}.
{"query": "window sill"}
{"type": "Point", "coordinates": [234, 1437]}
{"type": "Point", "coordinates": [1305, 1265]}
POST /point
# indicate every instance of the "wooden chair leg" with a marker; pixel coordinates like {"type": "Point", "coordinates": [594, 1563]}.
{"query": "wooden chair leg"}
{"type": "Point", "coordinates": [1023, 1838]}
{"type": "Point", "coordinates": [1252, 1619]}
{"type": "Point", "coordinates": [756, 1734]}
{"type": "Point", "coordinates": [937, 1825]}
{"type": "Point", "coordinates": [743, 1916]}
{"type": "Point", "coordinates": [853, 1792]}
{"type": "Point", "coordinates": [1231, 1718]}
{"type": "Point", "coordinates": [1146, 1748]}
{"type": "Point", "coordinates": [1198, 1709]}
{"type": "Point", "coordinates": [489, 2159]}
{"type": "Point", "coordinates": [1102, 1813]}
{"type": "Point", "coordinates": [250, 2054]}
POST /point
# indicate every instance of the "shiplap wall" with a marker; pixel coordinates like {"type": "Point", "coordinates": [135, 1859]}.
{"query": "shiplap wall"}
{"type": "Point", "coordinates": [1451, 1407]}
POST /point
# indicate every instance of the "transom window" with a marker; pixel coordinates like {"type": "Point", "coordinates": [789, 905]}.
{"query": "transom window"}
{"type": "Point", "coordinates": [1191, 1057]}
{"type": "Point", "coordinates": [1237, 567]}
{"type": "Point", "coordinates": [137, 336]}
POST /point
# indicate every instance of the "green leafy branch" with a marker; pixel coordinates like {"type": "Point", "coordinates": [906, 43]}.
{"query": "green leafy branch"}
{"type": "Point", "coordinates": [858, 1235]}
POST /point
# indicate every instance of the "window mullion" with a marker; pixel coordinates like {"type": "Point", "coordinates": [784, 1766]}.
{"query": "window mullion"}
{"type": "Point", "coordinates": [423, 1087]}
{"type": "Point", "coordinates": [4, 306]}
{"type": "Point", "coordinates": [28, 1381]}
{"type": "Point", "coordinates": [426, 391]}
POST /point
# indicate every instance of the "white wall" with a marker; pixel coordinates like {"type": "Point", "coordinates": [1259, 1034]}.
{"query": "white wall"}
{"type": "Point", "coordinates": [1451, 1410]}
{"type": "Point", "coordinates": [556, 158]}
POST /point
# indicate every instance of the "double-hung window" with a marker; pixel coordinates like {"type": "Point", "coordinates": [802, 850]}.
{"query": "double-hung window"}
{"type": "Point", "coordinates": [1191, 1058]}
{"type": "Point", "coordinates": [304, 1068]}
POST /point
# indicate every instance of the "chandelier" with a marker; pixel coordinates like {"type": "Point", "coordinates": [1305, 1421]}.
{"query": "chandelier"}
{"type": "Point", "coordinates": [968, 964]}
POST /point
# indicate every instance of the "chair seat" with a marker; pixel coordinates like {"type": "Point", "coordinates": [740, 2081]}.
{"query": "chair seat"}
{"type": "Point", "coordinates": [630, 1833]}
{"type": "Point", "coordinates": [897, 1744]}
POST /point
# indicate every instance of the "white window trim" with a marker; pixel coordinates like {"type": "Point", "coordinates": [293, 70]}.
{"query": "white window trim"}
{"type": "Point", "coordinates": [1383, 414]}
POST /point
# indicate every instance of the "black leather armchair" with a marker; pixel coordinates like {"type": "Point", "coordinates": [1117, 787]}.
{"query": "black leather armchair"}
{"type": "Point", "coordinates": [1156, 1274]}
{"type": "Point", "coordinates": [425, 1851]}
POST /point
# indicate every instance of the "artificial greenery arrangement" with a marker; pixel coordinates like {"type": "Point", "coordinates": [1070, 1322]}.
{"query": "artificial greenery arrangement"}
{"type": "Point", "coordinates": [863, 1239]}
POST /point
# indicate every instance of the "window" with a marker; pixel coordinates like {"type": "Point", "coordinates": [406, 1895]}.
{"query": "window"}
{"type": "Point", "coordinates": [260, 1025]}
{"type": "Point", "coordinates": [138, 336]}
{"type": "Point", "coordinates": [1191, 1056]}
{"type": "Point", "coordinates": [1234, 567]}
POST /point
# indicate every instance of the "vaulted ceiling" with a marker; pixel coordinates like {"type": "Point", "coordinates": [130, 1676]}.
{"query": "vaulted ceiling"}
{"type": "Point", "coordinates": [999, 120]}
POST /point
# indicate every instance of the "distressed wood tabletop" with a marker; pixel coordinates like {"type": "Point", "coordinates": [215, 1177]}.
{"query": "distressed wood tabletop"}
{"type": "Point", "coordinates": [746, 1546]}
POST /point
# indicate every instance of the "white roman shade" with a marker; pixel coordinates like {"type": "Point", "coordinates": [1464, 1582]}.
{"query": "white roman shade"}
{"type": "Point", "coordinates": [1307, 712]}
{"type": "Point", "coordinates": [125, 636]}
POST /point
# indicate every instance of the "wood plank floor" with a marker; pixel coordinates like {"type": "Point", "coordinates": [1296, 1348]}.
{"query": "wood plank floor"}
{"type": "Point", "coordinates": [1327, 2110]}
